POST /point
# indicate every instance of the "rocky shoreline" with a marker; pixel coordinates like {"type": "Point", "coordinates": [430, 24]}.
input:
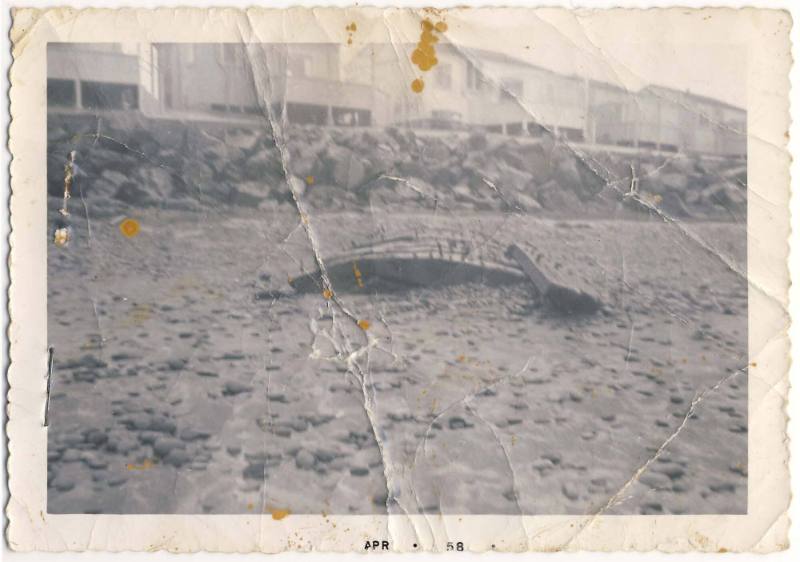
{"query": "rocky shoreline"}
{"type": "Point", "coordinates": [190, 167]}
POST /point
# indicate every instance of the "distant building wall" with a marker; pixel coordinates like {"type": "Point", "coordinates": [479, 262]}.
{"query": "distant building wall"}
{"type": "Point", "coordinates": [476, 88]}
{"type": "Point", "coordinates": [666, 119]}
{"type": "Point", "coordinates": [94, 77]}
{"type": "Point", "coordinates": [333, 84]}
{"type": "Point", "coordinates": [530, 98]}
{"type": "Point", "coordinates": [205, 77]}
{"type": "Point", "coordinates": [387, 69]}
{"type": "Point", "coordinates": [237, 79]}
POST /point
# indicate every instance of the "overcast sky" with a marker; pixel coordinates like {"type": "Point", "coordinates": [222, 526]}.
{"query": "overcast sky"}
{"type": "Point", "coordinates": [705, 52]}
{"type": "Point", "coordinates": [718, 71]}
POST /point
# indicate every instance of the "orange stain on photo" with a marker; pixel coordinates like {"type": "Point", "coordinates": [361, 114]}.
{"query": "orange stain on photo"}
{"type": "Point", "coordinates": [364, 324]}
{"type": "Point", "coordinates": [278, 514]}
{"type": "Point", "coordinates": [350, 29]}
{"type": "Point", "coordinates": [357, 275]}
{"type": "Point", "coordinates": [129, 228]}
{"type": "Point", "coordinates": [327, 293]}
{"type": "Point", "coordinates": [147, 464]}
{"type": "Point", "coordinates": [424, 56]}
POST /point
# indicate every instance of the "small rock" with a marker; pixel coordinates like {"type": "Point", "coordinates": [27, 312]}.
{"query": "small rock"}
{"type": "Point", "coordinates": [233, 388]}
{"type": "Point", "coordinates": [177, 458]}
{"type": "Point", "coordinates": [71, 455]}
{"type": "Point", "coordinates": [304, 460]}
{"type": "Point", "coordinates": [164, 445]}
{"type": "Point", "coordinates": [176, 364]}
{"type": "Point", "coordinates": [189, 434]}
{"type": "Point", "coordinates": [570, 491]}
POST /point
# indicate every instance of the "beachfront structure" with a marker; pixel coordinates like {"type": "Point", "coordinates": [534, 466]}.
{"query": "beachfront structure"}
{"type": "Point", "coordinates": [370, 85]}
{"type": "Point", "coordinates": [214, 81]}
{"type": "Point", "coordinates": [474, 88]}
{"type": "Point", "coordinates": [670, 120]}
{"type": "Point", "coordinates": [101, 77]}
{"type": "Point", "coordinates": [233, 79]}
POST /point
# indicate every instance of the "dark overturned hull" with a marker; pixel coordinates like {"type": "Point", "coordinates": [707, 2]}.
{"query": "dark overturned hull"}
{"type": "Point", "coordinates": [392, 274]}
{"type": "Point", "coordinates": [371, 274]}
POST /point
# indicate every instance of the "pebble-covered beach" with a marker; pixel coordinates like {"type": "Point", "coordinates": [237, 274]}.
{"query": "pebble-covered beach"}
{"type": "Point", "coordinates": [189, 379]}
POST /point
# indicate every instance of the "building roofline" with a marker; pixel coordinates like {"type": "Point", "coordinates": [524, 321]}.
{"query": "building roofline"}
{"type": "Point", "coordinates": [593, 81]}
{"type": "Point", "coordinates": [654, 88]}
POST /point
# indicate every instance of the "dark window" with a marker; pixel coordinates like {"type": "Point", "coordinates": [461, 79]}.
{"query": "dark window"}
{"type": "Point", "coordinates": [536, 130]}
{"type": "Point", "coordinates": [514, 129]}
{"type": "Point", "coordinates": [572, 134]}
{"type": "Point", "coordinates": [102, 95]}
{"type": "Point", "coordinates": [61, 92]}
{"type": "Point", "coordinates": [472, 78]}
{"type": "Point", "coordinates": [350, 117]}
{"type": "Point", "coordinates": [475, 78]}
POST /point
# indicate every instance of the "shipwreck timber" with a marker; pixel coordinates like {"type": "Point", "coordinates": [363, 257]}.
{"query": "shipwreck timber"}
{"type": "Point", "coordinates": [408, 262]}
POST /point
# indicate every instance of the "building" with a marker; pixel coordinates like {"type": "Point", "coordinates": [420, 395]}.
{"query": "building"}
{"type": "Point", "coordinates": [100, 77]}
{"type": "Point", "coordinates": [370, 85]}
{"type": "Point", "coordinates": [524, 98]}
{"type": "Point", "coordinates": [231, 78]}
{"type": "Point", "coordinates": [203, 81]}
{"type": "Point", "coordinates": [474, 88]}
{"type": "Point", "coordinates": [665, 119]}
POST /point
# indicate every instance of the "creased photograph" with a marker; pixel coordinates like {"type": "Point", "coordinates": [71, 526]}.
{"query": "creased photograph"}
{"type": "Point", "coordinates": [391, 279]}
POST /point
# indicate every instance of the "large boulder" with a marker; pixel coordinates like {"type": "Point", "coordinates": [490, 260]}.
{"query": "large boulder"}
{"type": "Point", "coordinates": [554, 197]}
{"type": "Point", "coordinates": [107, 184]}
{"type": "Point", "coordinates": [263, 165]}
{"type": "Point", "coordinates": [673, 205]}
{"type": "Point", "coordinates": [436, 151]}
{"type": "Point", "coordinates": [305, 159]}
{"type": "Point", "coordinates": [566, 174]}
{"type": "Point", "coordinates": [477, 141]}
{"type": "Point", "coordinates": [158, 182]}
{"type": "Point", "coordinates": [134, 194]}
{"type": "Point", "coordinates": [249, 193]}
{"type": "Point", "coordinates": [199, 178]}
{"type": "Point", "coordinates": [665, 182]}
{"type": "Point", "coordinates": [343, 167]}
{"type": "Point", "coordinates": [726, 196]}
{"type": "Point", "coordinates": [532, 159]}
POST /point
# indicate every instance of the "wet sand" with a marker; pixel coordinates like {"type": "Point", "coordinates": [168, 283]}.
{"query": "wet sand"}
{"type": "Point", "coordinates": [177, 390]}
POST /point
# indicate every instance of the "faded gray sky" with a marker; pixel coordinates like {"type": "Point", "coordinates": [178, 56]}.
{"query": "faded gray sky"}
{"type": "Point", "coordinates": [684, 49]}
{"type": "Point", "coordinates": [718, 71]}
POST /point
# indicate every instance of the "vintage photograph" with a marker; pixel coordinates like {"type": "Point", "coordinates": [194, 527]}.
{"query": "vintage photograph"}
{"type": "Point", "coordinates": [392, 278]}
